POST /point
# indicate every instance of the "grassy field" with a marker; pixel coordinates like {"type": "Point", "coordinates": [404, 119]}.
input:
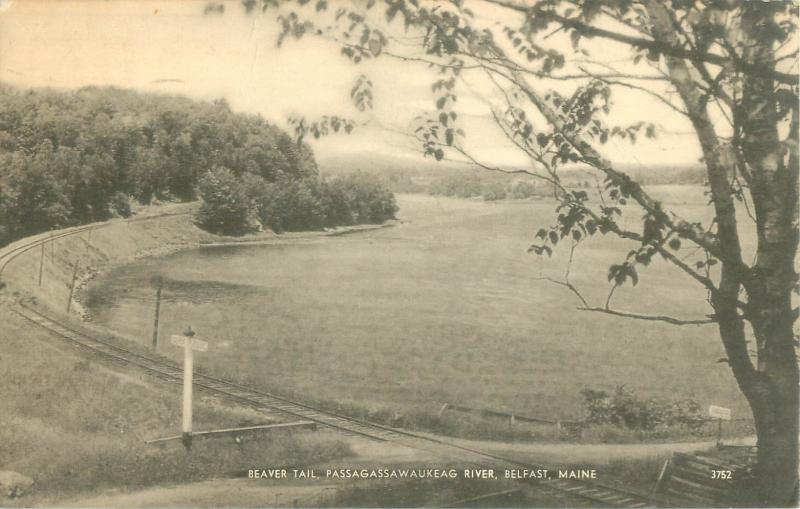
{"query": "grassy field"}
{"type": "Point", "coordinates": [75, 427]}
{"type": "Point", "coordinates": [445, 308]}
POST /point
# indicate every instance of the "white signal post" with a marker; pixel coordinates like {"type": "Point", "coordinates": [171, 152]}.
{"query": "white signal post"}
{"type": "Point", "coordinates": [189, 344]}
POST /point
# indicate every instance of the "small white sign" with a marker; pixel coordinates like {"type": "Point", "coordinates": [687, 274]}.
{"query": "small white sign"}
{"type": "Point", "coordinates": [194, 343]}
{"type": "Point", "coordinates": [718, 412]}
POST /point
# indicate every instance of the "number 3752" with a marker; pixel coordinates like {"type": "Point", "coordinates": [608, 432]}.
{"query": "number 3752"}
{"type": "Point", "coordinates": [721, 474]}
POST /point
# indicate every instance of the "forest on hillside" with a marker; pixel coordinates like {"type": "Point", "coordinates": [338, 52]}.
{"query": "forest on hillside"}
{"type": "Point", "coordinates": [464, 180]}
{"type": "Point", "coordinates": [68, 158]}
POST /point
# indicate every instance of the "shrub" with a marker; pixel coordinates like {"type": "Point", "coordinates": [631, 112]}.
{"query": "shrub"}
{"type": "Point", "coordinates": [365, 196]}
{"type": "Point", "coordinates": [495, 191]}
{"type": "Point", "coordinates": [227, 206]}
{"type": "Point", "coordinates": [121, 204]}
{"type": "Point", "coordinates": [624, 408]}
{"type": "Point", "coordinates": [312, 203]}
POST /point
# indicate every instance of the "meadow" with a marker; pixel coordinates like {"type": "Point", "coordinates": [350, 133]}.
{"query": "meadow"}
{"type": "Point", "coordinates": [446, 307]}
{"type": "Point", "coordinates": [75, 427]}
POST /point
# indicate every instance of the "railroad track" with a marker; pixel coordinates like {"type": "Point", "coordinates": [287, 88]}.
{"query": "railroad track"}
{"type": "Point", "coordinates": [598, 494]}
{"type": "Point", "coordinates": [9, 255]}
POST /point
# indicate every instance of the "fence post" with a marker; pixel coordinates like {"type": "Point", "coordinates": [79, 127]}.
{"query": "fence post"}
{"type": "Point", "coordinates": [72, 286]}
{"type": "Point", "coordinates": [155, 320]}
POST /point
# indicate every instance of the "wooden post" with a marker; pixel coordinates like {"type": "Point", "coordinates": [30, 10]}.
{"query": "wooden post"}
{"type": "Point", "coordinates": [188, 361]}
{"type": "Point", "coordinates": [41, 263]}
{"type": "Point", "coordinates": [189, 344]}
{"type": "Point", "coordinates": [52, 249]}
{"type": "Point", "coordinates": [155, 320]}
{"type": "Point", "coordinates": [719, 433]}
{"type": "Point", "coordinates": [72, 286]}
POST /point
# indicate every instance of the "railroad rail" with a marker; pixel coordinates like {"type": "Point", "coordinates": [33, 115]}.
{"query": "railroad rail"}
{"type": "Point", "coordinates": [9, 255]}
{"type": "Point", "coordinates": [597, 493]}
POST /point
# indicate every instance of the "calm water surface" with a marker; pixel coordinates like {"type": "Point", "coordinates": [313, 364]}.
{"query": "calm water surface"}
{"type": "Point", "coordinates": [446, 307]}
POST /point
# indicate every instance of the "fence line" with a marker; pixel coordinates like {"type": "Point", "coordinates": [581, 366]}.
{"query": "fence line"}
{"type": "Point", "coordinates": [506, 415]}
{"type": "Point", "coordinates": [555, 422]}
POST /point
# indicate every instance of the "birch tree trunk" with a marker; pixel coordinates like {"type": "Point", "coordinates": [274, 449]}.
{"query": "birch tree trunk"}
{"type": "Point", "coordinates": [771, 386]}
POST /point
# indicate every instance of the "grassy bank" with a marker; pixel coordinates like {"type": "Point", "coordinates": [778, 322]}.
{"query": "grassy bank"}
{"type": "Point", "coordinates": [74, 427]}
{"type": "Point", "coordinates": [157, 230]}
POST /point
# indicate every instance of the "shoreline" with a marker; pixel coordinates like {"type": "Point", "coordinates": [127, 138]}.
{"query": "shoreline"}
{"type": "Point", "coordinates": [279, 238]}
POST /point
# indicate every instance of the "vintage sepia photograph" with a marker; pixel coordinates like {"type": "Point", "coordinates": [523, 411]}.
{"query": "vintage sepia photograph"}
{"type": "Point", "coordinates": [399, 253]}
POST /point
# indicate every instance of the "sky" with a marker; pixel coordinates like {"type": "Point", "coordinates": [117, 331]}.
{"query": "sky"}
{"type": "Point", "coordinates": [171, 46]}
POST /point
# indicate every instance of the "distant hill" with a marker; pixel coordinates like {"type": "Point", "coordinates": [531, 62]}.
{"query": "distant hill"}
{"type": "Point", "coordinates": [415, 174]}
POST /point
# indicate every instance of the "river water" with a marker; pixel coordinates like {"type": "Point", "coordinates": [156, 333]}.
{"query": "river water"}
{"type": "Point", "coordinates": [446, 307]}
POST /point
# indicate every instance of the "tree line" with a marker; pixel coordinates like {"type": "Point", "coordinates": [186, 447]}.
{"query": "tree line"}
{"type": "Point", "coordinates": [234, 205]}
{"type": "Point", "coordinates": [69, 158]}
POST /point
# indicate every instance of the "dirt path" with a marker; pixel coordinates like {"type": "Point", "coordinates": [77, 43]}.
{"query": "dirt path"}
{"type": "Point", "coordinates": [562, 453]}
{"type": "Point", "coordinates": [216, 493]}
{"type": "Point", "coordinates": [285, 493]}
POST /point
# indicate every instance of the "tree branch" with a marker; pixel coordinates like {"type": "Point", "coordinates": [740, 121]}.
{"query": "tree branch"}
{"type": "Point", "coordinates": [649, 44]}
{"type": "Point", "coordinates": [655, 318]}
{"type": "Point", "coordinates": [609, 81]}
{"type": "Point", "coordinates": [586, 307]}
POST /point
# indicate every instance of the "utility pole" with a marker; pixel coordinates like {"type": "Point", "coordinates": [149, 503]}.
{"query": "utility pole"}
{"type": "Point", "coordinates": [155, 319]}
{"type": "Point", "coordinates": [41, 263]}
{"type": "Point", "coordinates": [72, 286]}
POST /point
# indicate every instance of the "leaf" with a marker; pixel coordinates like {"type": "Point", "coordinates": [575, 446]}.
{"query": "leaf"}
{"type": "Point", "coordinates": [620, 273]}
{"type": "Point", "coordinates": [613, 271]}
{"type": "Point", "coordinates": [375, 46]}
{"type": "Point", "coordinates": [539, 250]}
{"type": "Point", "coordinates": [541, 234]}
{"type": "Point", "coordinates": [634, 275]}
{"type": "Point", "coordinates": [448, 136]}
{"type": "Point", "coordinates": [575, 38]}
{"type": "Point", "coordinates": [542, 139]}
